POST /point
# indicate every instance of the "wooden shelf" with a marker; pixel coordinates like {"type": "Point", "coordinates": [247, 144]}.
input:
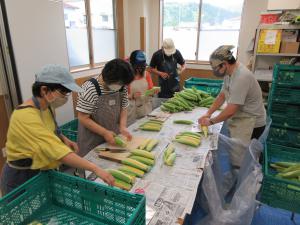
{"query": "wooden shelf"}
{"type": "Point", "coordinates": [279, 54]}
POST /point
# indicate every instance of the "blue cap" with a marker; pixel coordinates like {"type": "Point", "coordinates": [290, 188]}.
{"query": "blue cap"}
{"type": "Point", "coordinates": [57, 74]}
{"type": "Point", "coordinates": [138, 57]}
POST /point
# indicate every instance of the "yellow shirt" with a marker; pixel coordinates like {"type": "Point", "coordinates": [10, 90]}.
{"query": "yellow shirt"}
{"type": "Point", "coordinates": [31, 135]}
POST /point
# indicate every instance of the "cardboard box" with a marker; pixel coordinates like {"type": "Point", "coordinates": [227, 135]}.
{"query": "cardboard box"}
{"type": "Point", "coordinates": [289, 35]}
{"type": "Point", "coordinates": [289, 47]}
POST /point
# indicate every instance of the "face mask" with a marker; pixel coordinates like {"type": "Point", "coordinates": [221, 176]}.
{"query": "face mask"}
{"type": "Point", "coordinates": [140, 70]}
{"type": "Point", "coordinates": [115, 87]}
{"type": "Point", "coordinates": [59, 102]}
{"type": "Point", "coordinates": [217, 73]}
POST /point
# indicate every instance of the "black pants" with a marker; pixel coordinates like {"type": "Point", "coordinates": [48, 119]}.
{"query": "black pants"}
{"type": "Point", "coordinates": [12, 178]}
{"type": "Point", "coordinates": [257, 132]}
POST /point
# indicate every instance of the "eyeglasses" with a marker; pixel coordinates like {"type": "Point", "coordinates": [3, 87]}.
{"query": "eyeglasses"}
{"type": "Point", "coordinates": [63, 93]}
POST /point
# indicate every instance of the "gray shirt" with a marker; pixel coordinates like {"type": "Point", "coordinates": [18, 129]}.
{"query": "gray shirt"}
{"type": "Point", "coordinates": [242, 88]}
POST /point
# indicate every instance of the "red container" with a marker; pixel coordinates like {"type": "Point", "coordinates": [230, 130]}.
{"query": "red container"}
{"type": "Point", "coordinates": [269, 18]}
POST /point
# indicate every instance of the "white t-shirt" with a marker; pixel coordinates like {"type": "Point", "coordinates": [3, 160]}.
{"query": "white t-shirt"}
{"type": "Point", "coordinates": [245, 91]}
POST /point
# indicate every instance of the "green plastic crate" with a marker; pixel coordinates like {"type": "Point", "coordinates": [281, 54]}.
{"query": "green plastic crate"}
{"type": "Point", "coordinates": [208, 85]}
{"type": "Point", "coordinates": [287, 75]}
{"type": "Point", "coordinates": [283, 136]}
{"type": "Point", "coordinates": [64, 199]}
{"type": "Point", "coordinates": [70, 130]}
{"type": "Point", "coordinates": [285, 95]}
{"type": "Point", "coordinates": [287, 116]}
{"type": "Point", "coordinates": [278, 192]}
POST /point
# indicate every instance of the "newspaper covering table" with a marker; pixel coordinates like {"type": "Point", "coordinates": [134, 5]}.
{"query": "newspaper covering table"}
{"type": "Point", "coordinates": [170, 191]}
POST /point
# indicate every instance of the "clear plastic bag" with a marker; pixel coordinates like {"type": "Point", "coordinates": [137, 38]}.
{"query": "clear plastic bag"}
{"type": "Point", "coordinates": [229, 195]}
{"type": "Point", "coordinates": [240, 209]}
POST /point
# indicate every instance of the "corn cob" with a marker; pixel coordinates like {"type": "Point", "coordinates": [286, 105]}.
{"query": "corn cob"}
{"type": "Point", "coordinates": [190, 133]}
{"type": "Point", "coordinates": [135, 164]}
{"type": "Point", "coordinates": [151, 144]}
{"type": "Point", "coordinates": [150, 128]}
{"type": "Point", "coordinates": [187, 122]}
{"type": "Point", "coordinates": [147, 161]}
{"type": "Point", "coordinates": [132, 171]}
{"type": "Point", "coordinates": [157, 121]}
{"type": "Point", "coordinates": [121, 176]}
{"type": "Point", "coordinates": [205, 130]}
{"type": "Point", "coordinates": [123, 185]}
{"type": "Point", "coordinates": [142, 153]}
{"type": "Point", "coordinates": [120, 141]}
{"type": "Point", "coordinates": [170, 160]}
{"type": "Point", "coordinates": [186, 141]}
{"type": "Point", "coordinates": [144, 144]}
{"type": "Point", "coordinates": [169, 150]}
{"type": "Point", "coordinates": [192, 138]}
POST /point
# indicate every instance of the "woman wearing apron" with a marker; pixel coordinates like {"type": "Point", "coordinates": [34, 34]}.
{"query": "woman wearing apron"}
{"type": "Point", "coordinates": [244, 113]}
{"type": "Point", "coordinates": [34, 142]}
{"type": "Point", "coordinates": [164, 64]}
{"type": "Point", "coordinates": [140, 105]}
{"type": "Point", "coordinates": [102, 106]}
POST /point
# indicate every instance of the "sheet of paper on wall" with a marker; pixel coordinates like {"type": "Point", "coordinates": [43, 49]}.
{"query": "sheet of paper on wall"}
{"type": "Point", "coordinates": [270, 38]}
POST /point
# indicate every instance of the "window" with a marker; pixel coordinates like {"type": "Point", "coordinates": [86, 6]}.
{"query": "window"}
{"type": "Point", "coordinates": [91, 31]}
{"type": "Point", "coordinates": [198, 27]}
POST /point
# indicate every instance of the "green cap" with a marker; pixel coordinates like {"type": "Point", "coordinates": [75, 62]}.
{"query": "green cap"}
{"type": "Point", "coordinates": [220, 55]}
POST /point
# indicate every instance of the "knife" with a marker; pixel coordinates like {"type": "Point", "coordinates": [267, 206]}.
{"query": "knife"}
{"type": "Point", "coordinates": [113, 150]}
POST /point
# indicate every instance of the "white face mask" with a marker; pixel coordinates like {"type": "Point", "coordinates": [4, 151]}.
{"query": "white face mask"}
{"type": "Point", "coordinates": [115, 87]}
{"type": "Point", "coordinates": [60, 101]}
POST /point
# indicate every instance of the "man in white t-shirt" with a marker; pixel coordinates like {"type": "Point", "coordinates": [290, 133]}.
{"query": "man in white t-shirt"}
{"type": "Point", "coordinates": [244, 113]}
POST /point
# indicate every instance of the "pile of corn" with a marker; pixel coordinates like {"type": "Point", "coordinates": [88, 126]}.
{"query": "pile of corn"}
{"type": "Point", "coordinates": [188, 138]}
{"type": "Point", "coordinates": [186, 100]}
{"type": "Point", "coordinates": [289, 171]}
{"type": "Point", "coordinates": [152, 125]}
{"type": "Point", "coordinates": [136, 165]}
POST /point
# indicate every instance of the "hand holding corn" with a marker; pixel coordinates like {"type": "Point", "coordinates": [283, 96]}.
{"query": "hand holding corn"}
{"type": "Point", "coordinates": [109, 137]}
{"type": "Point", "coordinates": [205, 122]}
{"type": "Point", "coordinates": [105, 176]}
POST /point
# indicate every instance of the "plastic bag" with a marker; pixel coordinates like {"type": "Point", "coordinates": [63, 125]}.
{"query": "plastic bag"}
{"type": "Point", "coordinates": [240, 209]}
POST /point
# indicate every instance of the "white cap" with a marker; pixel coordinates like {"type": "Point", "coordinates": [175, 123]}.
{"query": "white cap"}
{"type": "Point", "coordinates": [168, 47]}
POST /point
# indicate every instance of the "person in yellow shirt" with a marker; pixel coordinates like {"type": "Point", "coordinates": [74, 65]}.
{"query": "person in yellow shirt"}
{"type": "Point", "coordinates": [34, 142]}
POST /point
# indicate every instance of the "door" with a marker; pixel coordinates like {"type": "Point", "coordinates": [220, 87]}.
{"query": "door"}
{"type": "Point", "coordinates": [9, 88]}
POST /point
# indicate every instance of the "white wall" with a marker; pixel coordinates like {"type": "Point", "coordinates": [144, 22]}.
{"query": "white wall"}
{"type": "Point", "coordinates": [150, 9]}
{"type": "Point", "coordinates": [38, 38]}
{"type": "Point", "coordinates": [133, 10]}
{"type": "Point", "coordinates": [250, 21]}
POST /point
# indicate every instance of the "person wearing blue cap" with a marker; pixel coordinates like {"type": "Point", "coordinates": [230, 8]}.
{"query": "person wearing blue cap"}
{"type": "Point", "coordinates": [34, 141]}
{"type": "Point", "coordinates": [102, 107]}
{"type": "Point", "coordinates": [140, 104]}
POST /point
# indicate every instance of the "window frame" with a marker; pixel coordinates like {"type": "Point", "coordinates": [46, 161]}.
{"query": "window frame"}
{"type": "Point", "coordinates": [118, 28]}
{"type": "Point", "coordinates": [161, 30]}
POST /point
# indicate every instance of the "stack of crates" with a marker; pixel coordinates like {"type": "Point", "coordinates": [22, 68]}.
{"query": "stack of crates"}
{"type": "Point", "coordinates": [210, 86]}
{"type": "Point", "coordinates": [283, 143]}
